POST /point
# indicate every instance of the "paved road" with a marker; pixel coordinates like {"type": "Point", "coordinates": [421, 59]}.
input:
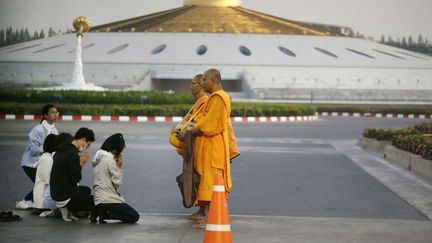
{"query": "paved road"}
{"type": "Point", "coordinates": [285, 169]}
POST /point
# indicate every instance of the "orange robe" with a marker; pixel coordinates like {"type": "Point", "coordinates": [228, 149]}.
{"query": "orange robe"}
{"type": "Point", "coordinates": [232, 141]}
{"type": "Point", "coordinates": [213, 155]}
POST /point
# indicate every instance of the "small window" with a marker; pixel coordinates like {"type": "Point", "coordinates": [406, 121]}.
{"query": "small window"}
{"type": "Point", "coordinates": [388, 54]}
{"type": "Point", "coordinates": [23, 48]}
{"type": "Point", "coordinates": [325, 52]}
{"type": "Point", "coordinates": [88, 46]}
{"type": "Point", "coordinates": [158, 49]}
{"type": "Point", "coordinates": [287, 51]}
{"type": "Point", "coordinates": [245, 51]}
{"type": "Point", "coordinates": [411, 55]}
{"type": "Point", "coordinates": [201, 50]}
{"type": "Point", "coordinates": [49, 48]}
{"type": "Point", "coordinates": [360, 53]}
{"type": "Point", "coordinates": [117, 49]}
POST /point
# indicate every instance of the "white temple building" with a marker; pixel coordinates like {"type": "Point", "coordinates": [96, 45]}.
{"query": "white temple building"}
{"type": "Point", "coordinates": [260, 57]}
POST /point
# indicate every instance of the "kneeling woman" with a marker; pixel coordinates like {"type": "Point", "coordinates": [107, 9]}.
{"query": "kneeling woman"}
{"type": "Point", "coordinates": [107, 178]}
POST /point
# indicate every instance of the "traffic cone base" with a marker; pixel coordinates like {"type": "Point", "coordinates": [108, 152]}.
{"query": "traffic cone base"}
{"type": "Point", "coordinates": [218, 229]}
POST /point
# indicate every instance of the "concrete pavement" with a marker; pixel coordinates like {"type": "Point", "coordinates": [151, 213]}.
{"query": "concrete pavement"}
{"type": "Point", "coordinates": [321, 188]}
{"type": "Point", "coordinates": [174, 228]}
{"type": "Point", "coordinates": [167, 228]}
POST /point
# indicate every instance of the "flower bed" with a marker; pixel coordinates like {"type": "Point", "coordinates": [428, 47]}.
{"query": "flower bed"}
{"type": "Point", "coordinates": [417, 139]}
{"type": "Point", "coordinates": [417, 144]}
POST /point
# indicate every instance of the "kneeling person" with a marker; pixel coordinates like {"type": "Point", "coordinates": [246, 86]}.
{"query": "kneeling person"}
{"type": "Point", "coordinates": [66, 174]}
{"type": "Point", "coordinates": [107, 178]}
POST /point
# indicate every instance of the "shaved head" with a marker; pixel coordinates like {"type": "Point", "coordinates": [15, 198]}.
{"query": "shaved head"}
{"type": "Point", "coordinates": [211, 80]}
{"type": "Point", "coordinates": [197, 78]}
{"type": "Point", "coordinates": [214, 74]}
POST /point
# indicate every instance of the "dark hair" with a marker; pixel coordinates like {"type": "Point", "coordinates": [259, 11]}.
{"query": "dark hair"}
{"type": "Point", "coordinates": [45, 110]}
{"type": "Point", "coordinates": [64, 137]}
{"type": "Point", "coordinates": [50, 143]}
{"type": "Point", "coordinates": [86, 133]}
{"type": "Point", "coordinates": [114, 142]}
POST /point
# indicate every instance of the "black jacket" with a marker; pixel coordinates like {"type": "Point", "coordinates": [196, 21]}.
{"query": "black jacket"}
{"type": "Point", "coordinates": [65, 172]}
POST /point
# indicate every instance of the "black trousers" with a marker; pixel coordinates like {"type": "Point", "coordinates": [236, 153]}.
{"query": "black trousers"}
{"type": "Point", "coordinates": [31, 173]}
{"type": "Point", "coordinates": [81, 200]}
{"type": "Point", "coordinates": [118, 211]}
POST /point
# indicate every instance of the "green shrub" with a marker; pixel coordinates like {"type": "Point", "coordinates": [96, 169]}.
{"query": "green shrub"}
{"type": "Point", "coordinates": [92, 97]}
{"type": "Point", "coordinates": [425, 128]}
{"type": "Point", "coordinates": [387, 134]}
{"type": "Point", "coordinates": [245, 109]}
{"type": "Point", "coordinates": [270, 109]}
{"type": "Point", "coordinates": [417, 139]}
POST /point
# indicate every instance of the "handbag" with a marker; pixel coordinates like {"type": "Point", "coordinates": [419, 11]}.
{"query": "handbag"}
{"type": "Point", "coordinates": [188, 202]}
{"type": "Point", "coordinates": [173, 140]}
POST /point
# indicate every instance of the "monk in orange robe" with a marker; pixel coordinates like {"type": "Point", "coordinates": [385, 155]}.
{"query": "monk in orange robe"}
{"type": "Point", "coordinates": [212, 154]}
{"type": "Point", "coordinates": [201, 98]}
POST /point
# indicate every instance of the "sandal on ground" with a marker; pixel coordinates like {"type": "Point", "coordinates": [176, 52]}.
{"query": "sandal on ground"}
{"type": "Point", "coordinates": [5, 213]}
{"type": "Point", "coordinates": [9, 216]}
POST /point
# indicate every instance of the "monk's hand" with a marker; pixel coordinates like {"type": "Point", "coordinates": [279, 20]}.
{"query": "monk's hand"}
{"type": "Point", "coordinates": [173, 130]}
{"type": "Point", "coordinates": [181, 134]}
{"type": "Point", "coordinates": [119, 161]}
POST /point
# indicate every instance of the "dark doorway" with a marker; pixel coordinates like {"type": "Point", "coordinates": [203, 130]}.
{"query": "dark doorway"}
{"type": "Point", "coordinates": [182, 85]}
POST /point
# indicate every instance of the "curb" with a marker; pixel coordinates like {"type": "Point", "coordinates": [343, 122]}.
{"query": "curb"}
{"type": "Point", "coordinates": [407, 160]}
{"type": "Point", "coordinates": [236, 119]}
{"type": "Point", "coordinates": [89, 118]}
{"type": "Point", "coordinates": [372, 114]}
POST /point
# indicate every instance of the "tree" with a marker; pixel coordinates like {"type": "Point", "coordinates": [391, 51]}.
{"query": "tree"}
{"type": "Point", "coordinates": [35, 35]}
{"type": "Point", "coordinates": [27, 35]}
{"type": "Point", "coordinates": [382, 38]}
{"type": "Point", "coordinates": [51, 32]}
{"type": "Point", "coordinates": [41, 34]}
{"type": "Point", "coordinates": [21, 36]}
{"type": "Point", "coordinates": [420, 40]}
{"type": "Point", "coordinates": [2, 38]}
{"type": "Point", "coordinates": [410, 41]}
{"type": "Point", "coordinates": [15, 38]}
{"type": "Point", "coordinates": [404, 43]}
{"type": "Point", "coordinates": [9, 36]}
{"type": "Point", "coordinates": [398, 42]}
{"type": "Point", "coordinates": [390, 41]}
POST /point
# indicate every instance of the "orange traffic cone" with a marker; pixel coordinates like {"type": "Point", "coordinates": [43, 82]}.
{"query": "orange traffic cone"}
{"type": "Point", "coordinates": [218, 229]}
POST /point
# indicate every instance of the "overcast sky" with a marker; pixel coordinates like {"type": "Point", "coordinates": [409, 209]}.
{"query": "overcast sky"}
{"type": "Point", "coordinates": [398, 18]}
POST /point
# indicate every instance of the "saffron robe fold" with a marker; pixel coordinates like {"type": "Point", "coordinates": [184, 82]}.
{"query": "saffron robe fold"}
{"type": "Point", "coordinates": [212, 155]}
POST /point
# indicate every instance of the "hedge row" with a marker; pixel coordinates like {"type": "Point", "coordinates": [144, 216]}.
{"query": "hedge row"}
{"type": "Point", "coordinates": [387, 134]}
{"type": "Point", "coordinates": [417, 139]}
{"type": "Point", "coordinates": [238, 109]}
{"type": "Point", "coordinates": [92, 97]}
{"type": "Point", "coordinates": [392, 133]}
{"type": "Point", "coordinates": [157, 97]}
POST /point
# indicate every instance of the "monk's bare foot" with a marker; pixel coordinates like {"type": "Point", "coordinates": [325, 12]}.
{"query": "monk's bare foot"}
{"type": "Point", "coordinates": [199, 224]}
{"type": "Point", "coordinates": [196, 216]}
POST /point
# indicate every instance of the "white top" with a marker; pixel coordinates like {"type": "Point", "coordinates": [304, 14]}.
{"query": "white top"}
{"type": "Point", "coordinates": [35, 142]}
{"type": "Point", "coordinates": [41, 190]}
{"type": "Point", "coordinates": [107, 178]}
